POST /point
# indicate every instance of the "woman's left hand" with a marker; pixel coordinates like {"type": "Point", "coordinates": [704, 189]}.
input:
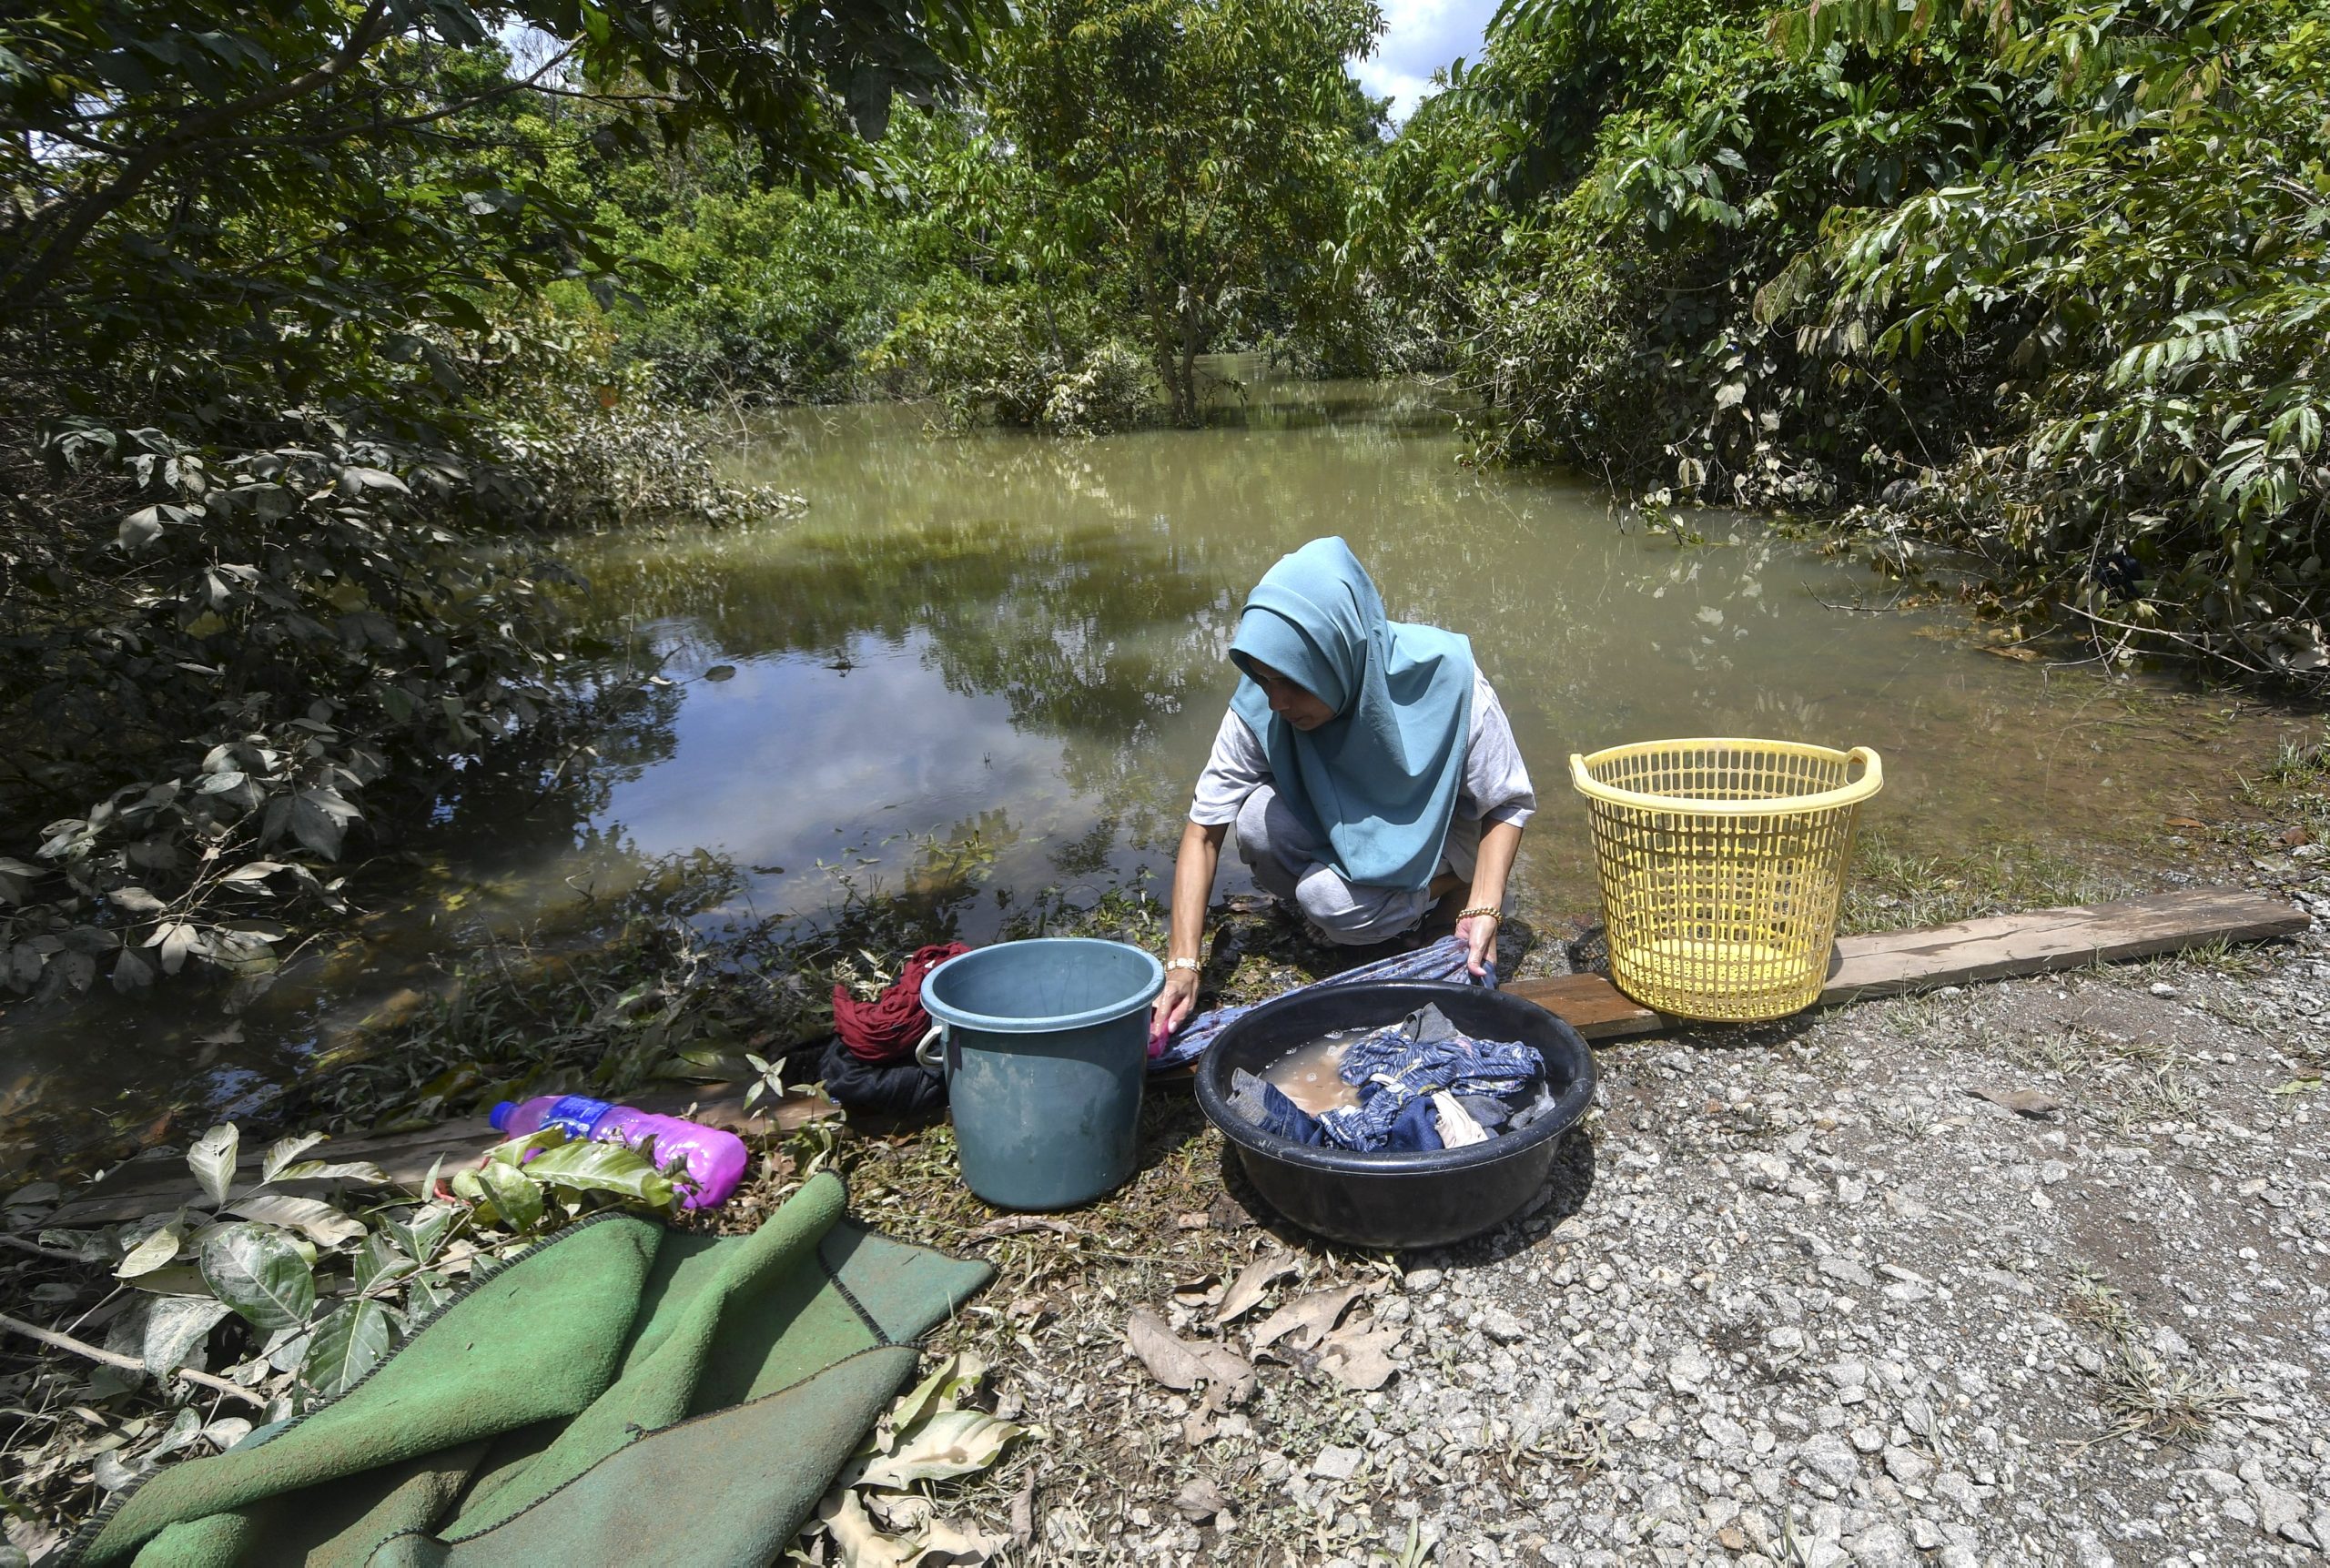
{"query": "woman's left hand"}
{"type": "Point", "coordinates": [1479, 932]}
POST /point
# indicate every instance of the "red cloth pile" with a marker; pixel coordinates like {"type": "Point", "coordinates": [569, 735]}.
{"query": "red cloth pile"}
{"type": "Point", "coordinates": [887, 1027]}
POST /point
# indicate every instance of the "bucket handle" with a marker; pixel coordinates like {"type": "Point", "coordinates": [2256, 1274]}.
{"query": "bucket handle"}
{"type": "Point", "coordinates": [930, 1051]}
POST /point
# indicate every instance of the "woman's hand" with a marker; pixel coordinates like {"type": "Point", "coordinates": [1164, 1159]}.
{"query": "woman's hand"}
{"type": "Point", "coordinates": [1479, 932]}
{"type": "Point", "coordinates": [1499, 845]}
{"type": "Point", "coordinates": [1174, 1003]}
{"type": "Point", "coordinates": [1193, 867]}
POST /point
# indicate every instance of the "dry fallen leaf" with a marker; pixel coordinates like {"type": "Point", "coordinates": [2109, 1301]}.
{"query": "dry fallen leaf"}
{"type": "Point", "coordinates": [1200, 1500]}
{"type": "Point", "coordinates": [1023, 1512]}
{"type": "Point", "coordinates": [948, 1384]}
{"type": "Point", "coordinates": [863, 1545]}
{"type": "Point", "coordinates": [1202, 1292]}
{"type": "Point", "coordinates": [961, 1543]}
{"type": "Point", "coordinates": [1360, 1358]}
{"type": "Point", "coordinates": [950, 1443]}
{"type": "Point", "coordinates": [1188, 1222]}
{"type": "Point", "coordinates": [1302, 1320]}
{"type": "Point", "coordinates": [2022, 1102]}
{"type": "Point", "coordinates": [1182, 1364]}
{"type": "Point", "coordinates": [1226, 1213]}
{"type": "Point", "coordinates": [1246, 1292]}
{"type": "Point", "coordinates": [917, 1522]}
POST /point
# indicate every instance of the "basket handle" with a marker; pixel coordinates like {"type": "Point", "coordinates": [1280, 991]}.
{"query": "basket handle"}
{"type": "Point", "coordinates": [1874, 766]}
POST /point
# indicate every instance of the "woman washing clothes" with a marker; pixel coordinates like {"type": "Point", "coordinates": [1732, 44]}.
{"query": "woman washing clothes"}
{"type": "Point", "coordinates": [1367, 765]}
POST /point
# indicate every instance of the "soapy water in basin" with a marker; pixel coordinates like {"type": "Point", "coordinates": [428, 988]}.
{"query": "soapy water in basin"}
{"type": "Point", "coordinates": [1311, 1075]}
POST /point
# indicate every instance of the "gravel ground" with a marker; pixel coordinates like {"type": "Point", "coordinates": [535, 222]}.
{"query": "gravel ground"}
{"type": "Point", "coordinates": [1797, 1295]}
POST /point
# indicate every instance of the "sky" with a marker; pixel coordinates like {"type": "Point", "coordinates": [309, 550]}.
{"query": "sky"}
{"type": "Point", "coordinates": [1419, 37]}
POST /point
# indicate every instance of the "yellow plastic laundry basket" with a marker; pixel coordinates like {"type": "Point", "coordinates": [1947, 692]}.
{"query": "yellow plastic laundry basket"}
{"type": "Point", "coordinates": [1722, 864]}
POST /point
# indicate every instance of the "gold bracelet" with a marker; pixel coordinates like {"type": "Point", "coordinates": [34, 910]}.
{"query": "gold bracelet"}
{"type": "Point", "coordinates": [1480, 910]}
{"type": "Point", "coordinates": [1191, 965]}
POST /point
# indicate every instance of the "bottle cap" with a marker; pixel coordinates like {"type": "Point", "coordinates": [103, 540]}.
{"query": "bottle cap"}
{"type": "Point", "coordinates": [500, 1115]}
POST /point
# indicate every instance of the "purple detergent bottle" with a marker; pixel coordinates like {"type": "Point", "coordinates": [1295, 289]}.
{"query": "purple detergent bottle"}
{"type": "Point", "coordinates": [715, 1159]}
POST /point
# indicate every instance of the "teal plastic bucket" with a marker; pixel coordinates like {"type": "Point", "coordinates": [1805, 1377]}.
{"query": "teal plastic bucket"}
{"type": "Point", "coordinates": [1045, 1047]}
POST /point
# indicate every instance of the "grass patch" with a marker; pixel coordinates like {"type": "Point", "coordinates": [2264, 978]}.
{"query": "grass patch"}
{"type": "Point", "coordinates": [2142, 1079]}
{"type": "Point", "coordinates": [2293, 791]}
{"type": "Point", "coordinates": [1891, 889]}
{"type": "Point", "coordinates": [2141, 1393]}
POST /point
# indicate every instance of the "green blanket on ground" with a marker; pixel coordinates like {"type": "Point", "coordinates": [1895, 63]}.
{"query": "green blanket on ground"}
{"type": "Point", "coordinates": [621, 1394]}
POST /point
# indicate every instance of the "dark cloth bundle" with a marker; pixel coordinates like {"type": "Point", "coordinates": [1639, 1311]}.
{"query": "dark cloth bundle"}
{"type": "Point", "coordinates": [884, 1029]}
{"type": "Point", "coordinates": [904, 1088]}
{"type": "Point", "coordinates": [869, 1065]}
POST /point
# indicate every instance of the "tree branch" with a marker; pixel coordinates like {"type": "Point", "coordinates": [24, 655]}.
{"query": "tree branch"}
{"type": "Point", "coordinates": [148, 160]}
{"type": "Point", "coordinates": [126, 1364]}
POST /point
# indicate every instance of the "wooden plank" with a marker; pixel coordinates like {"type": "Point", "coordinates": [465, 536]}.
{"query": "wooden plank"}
{"type": "Point", "coordinates": [2037, 942]}
{"type": "Point", "coordinates": [2044, 940]}
{"type": "Point", "coordinates": [150, 1186]}
{"type": "Point", "coordinates": [1588, 1004]}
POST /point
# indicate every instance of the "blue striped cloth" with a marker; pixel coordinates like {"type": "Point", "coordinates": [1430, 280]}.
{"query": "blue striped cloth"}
{"type": "Point", "coordinates": [1394, 1068]}
{"type": "Point", "coordinates": [1444, 960]}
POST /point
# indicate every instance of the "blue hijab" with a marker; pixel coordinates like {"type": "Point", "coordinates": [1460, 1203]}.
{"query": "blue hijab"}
{"type": "Point", "coordinates": [1378, 781]}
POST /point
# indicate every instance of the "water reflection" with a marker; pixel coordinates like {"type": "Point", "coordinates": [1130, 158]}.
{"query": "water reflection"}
{"type": "Point", "coordinates": [1037, 627]}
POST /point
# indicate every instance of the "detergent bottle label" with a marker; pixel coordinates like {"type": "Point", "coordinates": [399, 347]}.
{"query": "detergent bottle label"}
{"type": "Point", "coordinates": [576, 1114]}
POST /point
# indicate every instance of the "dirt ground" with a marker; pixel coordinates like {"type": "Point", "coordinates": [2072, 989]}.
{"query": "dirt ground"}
{"type": "Point", "coordinates": [1795, 1295]}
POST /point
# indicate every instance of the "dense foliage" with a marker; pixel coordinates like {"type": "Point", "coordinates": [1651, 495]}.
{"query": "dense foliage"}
{"type": "Point", "coordinates": [1138, 183]}
{"type": "Point", "coordinates": [278, 361]}
{"type": "Point", "coordinates": [2048, 281]}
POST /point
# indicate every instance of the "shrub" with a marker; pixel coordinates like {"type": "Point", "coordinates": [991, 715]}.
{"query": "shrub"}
{"type": "Point", "coordinates": [1015, 356]}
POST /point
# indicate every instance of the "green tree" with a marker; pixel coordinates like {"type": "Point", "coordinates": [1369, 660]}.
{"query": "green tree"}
{"type": "Point", "coordinates": [293, 184]}
{"type": "Point", "coordinates": [2044, 280]}
{"type": "Point", "coordinates": [275, 366]}
{"type": "Point", "coordinates": [1196, 151]}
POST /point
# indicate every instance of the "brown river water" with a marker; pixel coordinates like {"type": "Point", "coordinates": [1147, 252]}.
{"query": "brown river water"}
{"type": "Point", "coordinates": [993, 664]}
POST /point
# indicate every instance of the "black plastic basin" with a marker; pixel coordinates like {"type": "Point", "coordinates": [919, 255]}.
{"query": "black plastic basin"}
{"type": "Point", "coordinates": [1406, 1199]}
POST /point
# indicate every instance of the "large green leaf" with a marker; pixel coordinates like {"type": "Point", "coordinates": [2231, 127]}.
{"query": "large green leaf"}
{"type": "Point", "coordinates": [212, 1160]}
{"type": "Point", "coordinates": [380, 1261]}
{"type": "Point", "coordinates": [313, 1218]}
{"type": "Point", "coordinates": [602, 1167]}
{"type": "Point", "coordinates": [425, 1231]}
{"type": "Point", "coordinates": [362, 1171]}
{"type": "Point", "coordinates": [515, 1196]}
{"type": "Point", "coordinates": [347, 1344]}
{"type": "Point", "coordinates": [176, 1326]}
{"type": "Point", "coordinates": [284, 1150]}
{"type": "Point", "coordinates": [256, 1270]}
{"type": "Point", "coordinates": [151, 1253]}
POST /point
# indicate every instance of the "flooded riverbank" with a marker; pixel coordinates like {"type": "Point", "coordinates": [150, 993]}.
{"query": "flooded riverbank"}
{"type": "Point", "coordinates": [980, 667]}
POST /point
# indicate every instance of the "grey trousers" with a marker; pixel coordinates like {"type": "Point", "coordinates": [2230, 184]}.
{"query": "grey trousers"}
{"type": "Point", "coordinates": [1291, 862]}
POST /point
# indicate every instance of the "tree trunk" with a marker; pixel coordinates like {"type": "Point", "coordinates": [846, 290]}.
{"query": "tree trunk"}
{"type": "Point", "coordinates": [1185, 393]}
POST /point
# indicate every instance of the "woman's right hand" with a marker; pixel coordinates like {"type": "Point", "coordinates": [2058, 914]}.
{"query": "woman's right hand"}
{"type": "Point", "coordinates": [1174, 1003]}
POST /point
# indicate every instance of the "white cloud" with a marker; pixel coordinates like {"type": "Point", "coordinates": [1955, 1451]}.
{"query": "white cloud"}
{"type": "Point", "coordinates": [1420, 36]}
